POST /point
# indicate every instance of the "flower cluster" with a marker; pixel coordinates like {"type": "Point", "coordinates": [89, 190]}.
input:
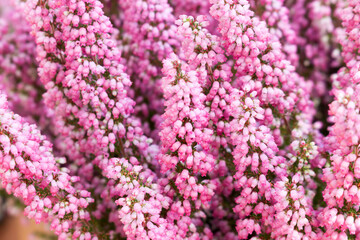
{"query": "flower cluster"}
{"type": "Point", "coordinates": [342, 177]}
{"type": "Point", "coordinates": [148, 34]}
{"type": "Point", "coordinates": [31, 172]}
{"type": "Point", "coordinates": [87, 88]}
{"type": "Point", "coordinates": [215, 119]}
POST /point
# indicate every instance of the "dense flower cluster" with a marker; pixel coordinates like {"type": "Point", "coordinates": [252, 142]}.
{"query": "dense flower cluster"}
{"type": "Point", "coordinates": [32, 173]}
{"type": "Point", "coordinates": [156, 119]}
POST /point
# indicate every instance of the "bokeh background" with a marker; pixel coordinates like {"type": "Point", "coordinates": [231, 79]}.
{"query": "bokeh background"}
{"type": "Point", "coordinates": [14, 226]}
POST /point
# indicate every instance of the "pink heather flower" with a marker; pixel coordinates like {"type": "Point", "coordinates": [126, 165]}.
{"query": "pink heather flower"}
{"type": "Point", "coordinates": [276, 15]}
{"type": "Point", "coordinates": [30, 172]}
{"type": "Point", "coordinates": [315, 25]}
{"type": "Point", "coordinates": [185, 137]}
{"type": "Point", "coordinates": [149, 37]}
{"type": "Point", "coordinates": [89, 86]}
{"type": "Point", "coordinates": [233, 93]}
{"type": "Point", "coordinates": [245, 47]}
{"type": "Point", "coordinates": [198, 40]}
{"type": "Point", "coordinates": [341, 177]}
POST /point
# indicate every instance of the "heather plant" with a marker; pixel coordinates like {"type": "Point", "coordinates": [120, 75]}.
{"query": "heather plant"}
{"type": "Point", "coordinates": [156, 119]}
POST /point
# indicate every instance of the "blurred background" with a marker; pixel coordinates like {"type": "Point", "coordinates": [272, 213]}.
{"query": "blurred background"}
{"type": "Point", "coordinates": [13, 224]}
